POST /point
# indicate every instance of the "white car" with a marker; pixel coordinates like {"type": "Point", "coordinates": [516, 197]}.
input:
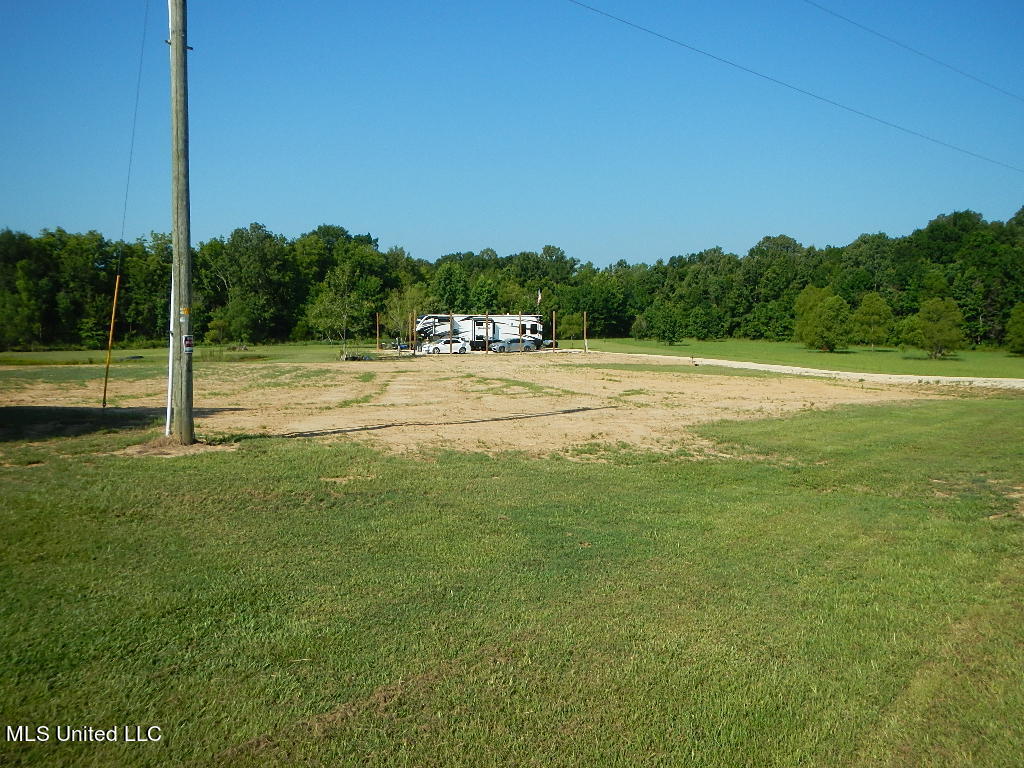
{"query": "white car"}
{"type": "Point", "coordinates": [448, 346]}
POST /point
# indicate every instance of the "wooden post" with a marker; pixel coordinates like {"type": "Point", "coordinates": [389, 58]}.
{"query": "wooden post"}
{"type": "Point", "coordinates": [181, 307]}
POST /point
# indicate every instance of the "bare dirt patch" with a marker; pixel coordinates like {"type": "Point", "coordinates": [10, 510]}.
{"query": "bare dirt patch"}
{"type": "Point", "coordinates": [168, 448]}
{"type": "Point", "coordinates": [537, 403]}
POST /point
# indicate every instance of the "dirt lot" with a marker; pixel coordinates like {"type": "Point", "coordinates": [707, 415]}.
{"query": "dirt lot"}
{"type": "Point", "coordinates": [538, 403]}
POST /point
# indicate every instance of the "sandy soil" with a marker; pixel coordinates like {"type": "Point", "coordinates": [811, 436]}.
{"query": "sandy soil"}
{"type": "Point", "coordinates": [538, 402]}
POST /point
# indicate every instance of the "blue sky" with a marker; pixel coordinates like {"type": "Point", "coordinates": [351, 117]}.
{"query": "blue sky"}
{"type": "Point", "coordinates": [455, 126]}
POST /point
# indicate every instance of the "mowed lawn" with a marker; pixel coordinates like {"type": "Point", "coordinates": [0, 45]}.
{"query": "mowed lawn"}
{"type": "Point", "coordinates": [846, 590]}
{"type": "Point", "coordinates": [981, 363]}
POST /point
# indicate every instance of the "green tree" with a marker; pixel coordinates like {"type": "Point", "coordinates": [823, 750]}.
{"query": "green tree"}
{"type": "Point", "coordinates": [91, 334]}
{"type": "Point", "coordinates": [483, 298]}
{"type": "Point", "coordinates": [666, 321]}
{"type": "Point", "coordinates": [640, 328]}
{"type": "Point", "coordinates": [704, 323]}
{"type": "Point", "coordinates": [829, 327]}
{"type": "Point", "coordinates": [249, 281]}
{"type": "Point", "coordinates": [872, 322]}
{"type": "Point", "coordinates": [233, 322]}
{"type": "Point", "coordinates": [27, 291]}
{"type": "Point", "coordinates": [146, 286]}
{"type": "Point", "coordinates": [939, 327]}
{"type": "Point", "coordinates": [402, 304]}
{"type": "Point", "coordinates": [343, 304]}
{"type": "Point", "coordinates": [806, 307]}
{"type": "Point", "coordinates": [450, 287]}
{"type": "Point", "coordinates": [570, 326]}
{"type": "Point", "coordinates": [1015, 330]}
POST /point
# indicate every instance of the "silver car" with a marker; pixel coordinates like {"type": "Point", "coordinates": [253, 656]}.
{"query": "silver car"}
{"type": "Point", "coordinates": [515, 344]}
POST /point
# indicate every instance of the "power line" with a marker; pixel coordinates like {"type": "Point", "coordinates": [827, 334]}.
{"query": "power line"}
{"type": "Point", "coordinates": [134, 120]}
{"type": "Point", "coordinates": [791, 87]}
{"type": "Point", "coordinates": [906, 47]}
{"type": "Point", "coordinates": [124, 209]}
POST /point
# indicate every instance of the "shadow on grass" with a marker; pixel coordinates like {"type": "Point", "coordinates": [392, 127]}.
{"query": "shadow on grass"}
{"type": "Point", "coordinates": [38, 422]}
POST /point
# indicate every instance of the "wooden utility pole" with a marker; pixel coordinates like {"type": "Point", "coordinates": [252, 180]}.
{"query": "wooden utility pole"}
{"type": "Point", "coordinates": [182, 344]}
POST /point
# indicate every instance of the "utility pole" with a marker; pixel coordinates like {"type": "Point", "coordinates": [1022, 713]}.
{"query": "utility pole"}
{"type": "Point", "coordinates": [181, 281]}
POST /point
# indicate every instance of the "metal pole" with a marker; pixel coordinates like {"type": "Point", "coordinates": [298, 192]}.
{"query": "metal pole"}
{"type": "Point", "coordinates": [181, 305]}
{"type": "Point", "coordinates": [554, 332]}
{"type": "Point", "coordinates": [586, 347]}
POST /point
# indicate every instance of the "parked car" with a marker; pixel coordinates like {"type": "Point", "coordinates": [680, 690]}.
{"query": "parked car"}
{"type": "Point", "coordinates": [448, 346]}
{"type": "Point", "coordinates": [515, 344]}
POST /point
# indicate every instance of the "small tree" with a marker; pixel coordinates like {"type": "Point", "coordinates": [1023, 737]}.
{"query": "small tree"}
{"type": "Point", "coordinates": [570, 326]}
{"type": "Point", "coordinates": [829, 325]}
{"type": "Point", "coordinates": [400, 305]}
{"type": "Point", "coordinates": [640, 328]}
{"type": "Point", "coordinates": [908, 332]}
{"type": "Point", "coordinates": [90, 334]}
{"type": "Point", "coordinates": [939, 329]}
{"type": "Point", "coordinates": [342, 304]}
{"type": "Point", "coordinates": [873, 321]}
{"type": "Point", "coordinates": [703, 323]}
{"type": "Point", "coordinates": [665, 321]}
{"type": "Point", "coordinates": [234, 322]}
{"type": "Point", "coordinates": [1015, 329]}
{"type": "Point", "coordinates": [805, 307]}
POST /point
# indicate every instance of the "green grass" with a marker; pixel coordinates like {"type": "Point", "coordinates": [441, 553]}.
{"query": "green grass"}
{"type": "Point", "coordinates": [980, 362]}
{"type": "Point", "coordinates": [836, 595]}
{"type": "Point", "coordinates": [289, 353]}
{"type": "Point", "coordinates": [73, 369]}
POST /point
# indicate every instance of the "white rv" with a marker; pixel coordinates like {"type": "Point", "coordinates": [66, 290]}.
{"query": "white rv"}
{"type": "Point", "coordinates": [480, 330]}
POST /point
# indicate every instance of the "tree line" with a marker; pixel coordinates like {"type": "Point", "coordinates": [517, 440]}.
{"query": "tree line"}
{"type": "Point", "coordinates": [258, 286]}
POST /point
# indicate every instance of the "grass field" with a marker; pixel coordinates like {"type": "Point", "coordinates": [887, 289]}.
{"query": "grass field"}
{"type": "Point", "coordinates": [838, 588]}
{"type": "Point", "coordinates": [128, 358]}
{"type": "Point", "coordinates": [978, 362]}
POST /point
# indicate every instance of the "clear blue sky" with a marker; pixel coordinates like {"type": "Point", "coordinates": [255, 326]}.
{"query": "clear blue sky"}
{"type": "Point", "coordinates": [511, 124]}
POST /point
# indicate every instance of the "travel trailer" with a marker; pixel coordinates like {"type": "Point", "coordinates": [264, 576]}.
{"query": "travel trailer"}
{"type": "Point", "coordinates": [480, 330]}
